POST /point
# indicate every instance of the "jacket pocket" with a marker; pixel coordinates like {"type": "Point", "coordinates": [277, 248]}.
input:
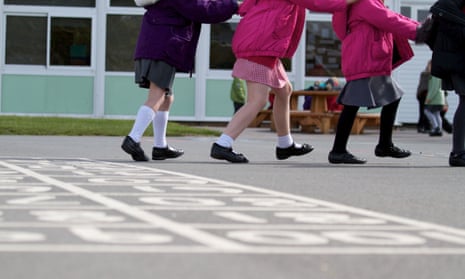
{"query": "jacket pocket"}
{"type": "Point", "coordinates": [178, 45]}
{"type": "Point", "coordinates": [283, 23]}
{"type": "Point", "coordinates": [182, 33]}
{"type": "Point", "coordinates": [381, 46]}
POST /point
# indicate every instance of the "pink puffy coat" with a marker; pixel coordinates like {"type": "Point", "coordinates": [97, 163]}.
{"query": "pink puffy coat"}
{"type": "Point", "coordinates": [274, 27]}
{"type": "Point", "coordinates": [368, 31]}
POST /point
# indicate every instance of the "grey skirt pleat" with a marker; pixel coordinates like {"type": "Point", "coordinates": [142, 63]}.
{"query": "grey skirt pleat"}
{"type": "Point", "coordinates": [370, 92]}
{"type": "Point", "coordinates": [158, 72]}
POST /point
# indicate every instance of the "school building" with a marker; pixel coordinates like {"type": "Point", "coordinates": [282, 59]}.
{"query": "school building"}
{"type": "Point", "coordinates": [74, 58]}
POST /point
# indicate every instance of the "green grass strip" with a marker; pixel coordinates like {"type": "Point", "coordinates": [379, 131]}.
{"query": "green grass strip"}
{"type": "Point", "coordinates": [24, 125]}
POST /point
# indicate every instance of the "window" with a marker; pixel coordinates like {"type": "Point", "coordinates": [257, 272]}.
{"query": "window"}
{"type": "Point", "coordinates": [422, 14]}
{"type": "Point", "coordinates": [71, 41]}
{"type": "Point", "coordinates": [323, 50]}
{"type": "Point", "coordinates": [68, 3]}
{"type": "Point", "coordinates": [406, 11]}
{"type": "Point", "coordinates": [27, 36]}
{"type": "Point", "coordinates": [26, 40]}
{"type": "Point", "coordinates": [122, 32]}
{"type": "Point", "coordinates": [221, 55]}
{"type": "Point", "coordinates": [122, 3]}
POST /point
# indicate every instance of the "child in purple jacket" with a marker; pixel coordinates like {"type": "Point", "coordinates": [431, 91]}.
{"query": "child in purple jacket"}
{"type": "Point", "coordinates": [374, 42]}
{"type": "Point", "coordinates": [269, 30]}
{"type": "Point", "coordinates": [167, 43]}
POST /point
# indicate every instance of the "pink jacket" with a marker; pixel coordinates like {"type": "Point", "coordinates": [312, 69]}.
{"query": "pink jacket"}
{"type": "Point", "coordinates": [368, 31]}
{"type": "Point", "coordinates": [274, 27]}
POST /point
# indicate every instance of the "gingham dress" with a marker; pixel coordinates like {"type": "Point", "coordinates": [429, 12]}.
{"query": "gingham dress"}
{"type": "Point", "coordinates": [275, 77]}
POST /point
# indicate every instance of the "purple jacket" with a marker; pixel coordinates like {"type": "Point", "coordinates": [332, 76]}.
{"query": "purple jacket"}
{"type": "Point", "coordinates": [369, 31]}
{"type": "Point", "coordinates": [171, 28]}
{"type": "Point", "coordinates": [274, 27]}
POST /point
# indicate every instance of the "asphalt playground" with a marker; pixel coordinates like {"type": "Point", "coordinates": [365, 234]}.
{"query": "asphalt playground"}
{"type": "Point", "coordinates": [78, 207]}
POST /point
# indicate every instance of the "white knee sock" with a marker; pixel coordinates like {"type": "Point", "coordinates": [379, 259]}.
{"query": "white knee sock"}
{"type": "Point", "coordinates": [225, 141]}
{"type": "Point", "coordinates": [144, 117]}
{"type": "Point", "coordinates": [160, 123]}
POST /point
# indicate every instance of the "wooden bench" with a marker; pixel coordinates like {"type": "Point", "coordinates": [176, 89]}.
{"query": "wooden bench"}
{"type": "Point", "coordinates": [320, 121]}
{"type": "Point", "coordinates": [309, 122]}
{"type": "Point", "coordinates": [362, 120]}
{"type": "Point", "coordinates": [263, 115]}
{"type": "Point", "coordinates": [317, 117]}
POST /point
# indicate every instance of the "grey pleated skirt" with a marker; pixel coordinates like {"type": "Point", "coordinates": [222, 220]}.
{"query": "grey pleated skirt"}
{"type": "Point", "coordinates": [158, 72]}
{"type": "Point", "coordinates": [370, 92]}
{"type": "Point", "coordinates": [454, 82]}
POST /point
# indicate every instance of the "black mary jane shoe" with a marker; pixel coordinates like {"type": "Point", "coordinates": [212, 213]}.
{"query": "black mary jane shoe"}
{"type": "Point", "coordinates": [344, 158]}
{"type": "Point", "coordinates": [457, 160]}
{"type": "Point", "coordinates": [133, 148]}
{"type": "Point", "coordinates": [159, 153]}
{"type": "Point", "coordinates": [435, 133]}
{"type": "Point", "coordinates": [293, 150]}
{"type": "Point", "coordinates": [226, 153]}
{"type": "Point", "coordinates": [391, 151]}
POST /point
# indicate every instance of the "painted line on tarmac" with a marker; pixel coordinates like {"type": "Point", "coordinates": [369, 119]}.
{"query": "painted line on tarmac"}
{"type": "Point", "coordinates": [107, 207]}
{"type": "Point", "coordinates": [187, 231]}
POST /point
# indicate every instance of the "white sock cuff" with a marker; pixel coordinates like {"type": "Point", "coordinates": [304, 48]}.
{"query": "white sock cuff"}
{"type": "Point", "coordinates": [225, 140]}
{"type": "Point", "coordinates": [144, 117]}
{"type": "Point", "coordinates": [285, 141]}
{"type": "Point", "coordinates": [160, 124]}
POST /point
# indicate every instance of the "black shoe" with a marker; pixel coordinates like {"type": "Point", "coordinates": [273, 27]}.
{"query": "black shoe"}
{"type": "Point", "coordinates": [133, 148]}
{"type": "Point", "coordinates": [391, 151]}
{"type": "Point", "coordinates": [435, 133]}
{"type": "Point", "coordinates": [284, 153]}
{"type": "Point", "coordinates": [422, 130]}
{"type": "Point", "coordinates": [168, 152]}
{"type": "Point", "coordinates": [224, 153]}
{"type": "Point", "coordinates": [344, 158]}
{"type": "Point", "coordinates": [457, 160]}
{"type": "Point", "coordinates": [446, 126]}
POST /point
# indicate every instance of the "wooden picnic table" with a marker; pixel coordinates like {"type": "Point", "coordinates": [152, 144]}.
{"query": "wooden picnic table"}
{"type": "Point", "coordinates": [318, 105]}
{"type": "Point", "coordinates": [317, 117]}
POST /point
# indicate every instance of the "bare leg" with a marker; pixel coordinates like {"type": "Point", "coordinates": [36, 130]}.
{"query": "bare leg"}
{"type": "Point", "coordinates": [160, 122]}
{"type": "Point", "coordinates": [281, 110]}
{"type": "Point", "coordinates": [257, 95]}
{"type": "Point", "coordinates": [156, 97]}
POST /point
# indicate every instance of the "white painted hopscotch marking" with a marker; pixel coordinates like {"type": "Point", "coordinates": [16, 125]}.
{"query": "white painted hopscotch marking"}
{"type": "Point", "coordinates": [189, 232]}
{"type": "Point", "coordinates": [127, 208]}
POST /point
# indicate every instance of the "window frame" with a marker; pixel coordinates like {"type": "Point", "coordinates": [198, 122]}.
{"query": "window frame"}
{"type": "Point", "coordinates": [119, 11]}
{"type": "Point", "coordinates": [226, 73]}
{"type": "Point", "coordinates": [312, 17]}
{"type": "Point", "coordinates": [48, 5]}
{"type": "Point", "coordinates": [49, 12]}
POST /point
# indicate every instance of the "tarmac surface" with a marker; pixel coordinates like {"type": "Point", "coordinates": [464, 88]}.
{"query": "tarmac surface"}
{"type": "Point", "coordinates": [79, 207]}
